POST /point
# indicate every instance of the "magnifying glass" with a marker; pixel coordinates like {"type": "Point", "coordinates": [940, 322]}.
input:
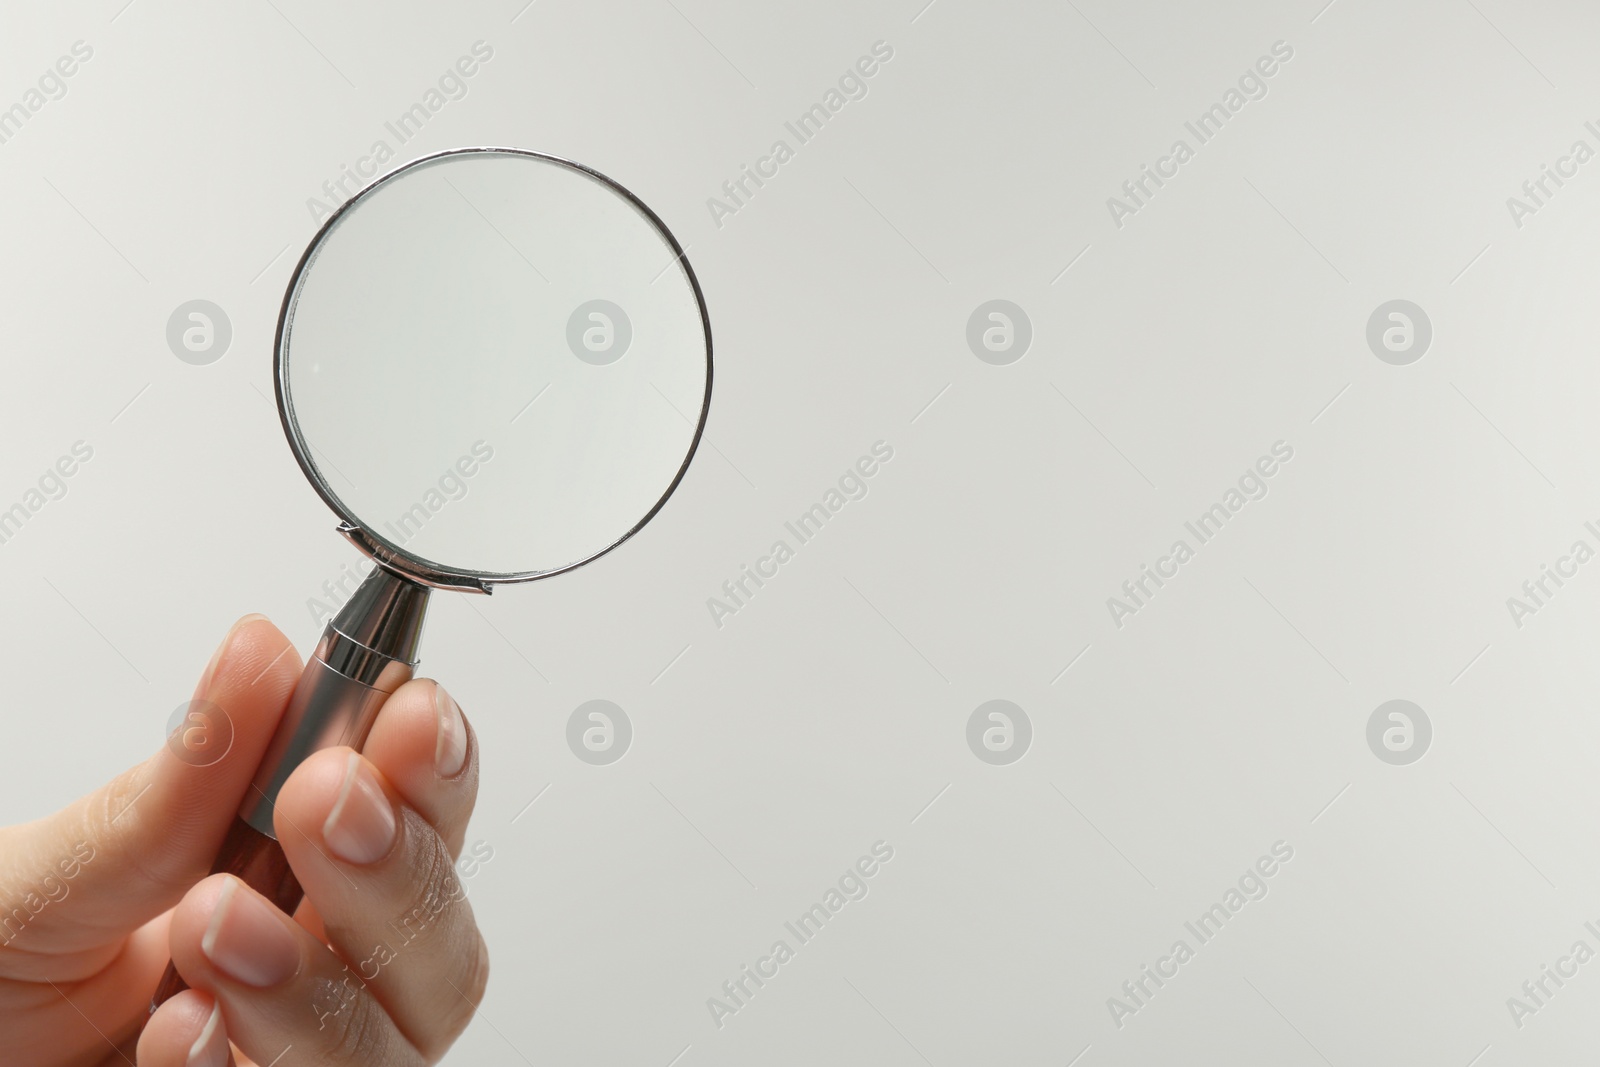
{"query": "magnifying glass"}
{"type": "Point", "coordinates": [494, 365]}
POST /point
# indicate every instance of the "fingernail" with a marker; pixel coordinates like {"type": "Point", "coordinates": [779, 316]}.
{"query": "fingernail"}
{"type": "Point", "coordinates": [361, 826]}
{"type": "Point", "coordinates": [247, 941]}
{"type": "Point", "coordinates": [210, 1049]}
{"type": "Point", "coordinates": [451, 753]}
{"type": "Point", "coordinates": [216, 657]}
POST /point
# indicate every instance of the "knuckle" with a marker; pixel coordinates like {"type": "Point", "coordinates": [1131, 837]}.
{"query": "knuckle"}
{"type": "Point", "coordinates": [112, 821]}
{"type": "Point", "coordinates": [438, 887]}
{"type": "Point", "coordinates": [441, 915]}
{"type": "Point", "coordinates": [474, 977]}
{"type": "Point", "coordinates": [471, 982]}
{"type": "Point", "coordinates": [113, 803]}
{"type": "Point", "coordinates": [357, 1033]}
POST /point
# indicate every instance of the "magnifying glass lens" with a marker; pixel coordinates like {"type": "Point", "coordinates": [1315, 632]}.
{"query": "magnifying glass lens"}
{"type": "Point", "coordinates": [495, 363]}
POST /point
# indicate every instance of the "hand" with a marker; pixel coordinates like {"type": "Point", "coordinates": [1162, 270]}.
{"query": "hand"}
{"type": "Point", "coordinates": [383, 963]}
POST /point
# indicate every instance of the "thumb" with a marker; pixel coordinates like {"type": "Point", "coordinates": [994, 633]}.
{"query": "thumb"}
{"type": "Point", "coordinates": [92, 872]}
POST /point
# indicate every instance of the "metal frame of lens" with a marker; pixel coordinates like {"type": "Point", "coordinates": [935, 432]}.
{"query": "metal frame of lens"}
{"type": "Point", "coordinates": [386, 553]}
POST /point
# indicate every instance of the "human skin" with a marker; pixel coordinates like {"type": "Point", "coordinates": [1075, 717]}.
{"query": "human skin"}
{"type": "Point", "coordinates": [371, 836]}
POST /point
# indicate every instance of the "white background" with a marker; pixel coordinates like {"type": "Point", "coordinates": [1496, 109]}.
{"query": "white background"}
{"type": "Point", "coordinates": [1167, 755]}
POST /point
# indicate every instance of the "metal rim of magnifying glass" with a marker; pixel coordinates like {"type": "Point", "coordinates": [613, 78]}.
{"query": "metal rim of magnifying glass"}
{"type": "Point", "coordinates": [430, 572]}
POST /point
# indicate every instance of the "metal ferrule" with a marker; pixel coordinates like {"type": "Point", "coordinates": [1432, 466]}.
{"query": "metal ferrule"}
{"type": "Point", "coordinates": [366, 652]}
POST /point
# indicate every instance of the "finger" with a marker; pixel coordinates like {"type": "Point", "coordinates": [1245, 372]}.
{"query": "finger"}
{"type": "Point", "coordinates": [74, 1021]}
{"type": "Point", "coordinates": [80, 879]}
{"type": "Point", "coordinates": [422, 745]}
{"type": "Point", "coordinates": [278, 986]}
{"type": "Point", "coordinates": [187, 1031]}
{"type": "Point", "coordinates": [306, 915]}
{"type": "Point", "coordinates": [385, 885]}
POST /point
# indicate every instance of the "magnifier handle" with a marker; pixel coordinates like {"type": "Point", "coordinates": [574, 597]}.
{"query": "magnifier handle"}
{"type": "Point", "coordinates": [367, 652]}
